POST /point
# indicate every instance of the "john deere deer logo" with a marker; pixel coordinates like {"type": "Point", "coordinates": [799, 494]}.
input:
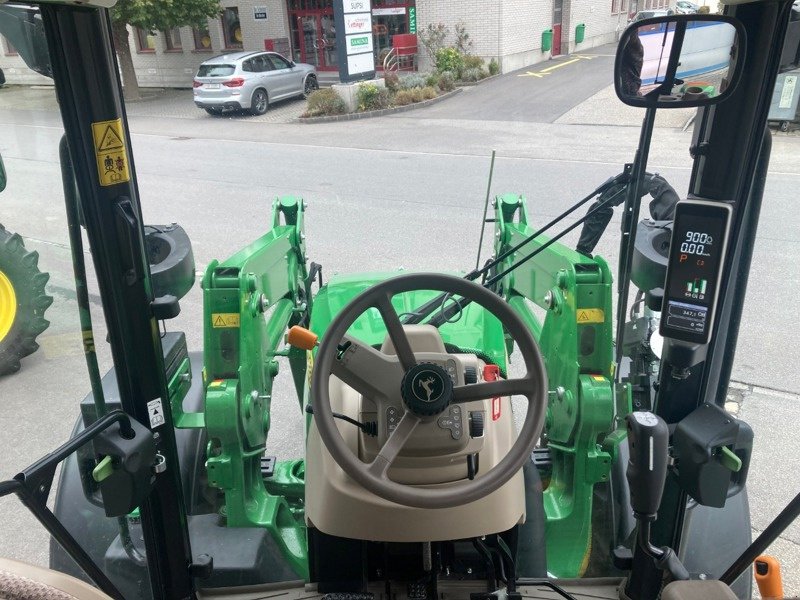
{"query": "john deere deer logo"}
{"type": "Point", "coordinates": [426, 385]}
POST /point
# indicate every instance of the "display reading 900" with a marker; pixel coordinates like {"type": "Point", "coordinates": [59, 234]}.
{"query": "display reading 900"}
{"type": "Point", "coordinates": [699, 239]}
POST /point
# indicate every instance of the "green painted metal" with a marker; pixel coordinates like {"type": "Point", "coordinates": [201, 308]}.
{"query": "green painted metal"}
{"type": "Point", "coordinates": [474, 329]}
{"type": "Point", "coordinates": [249, 301]}
{"type": "Point", "coordinates": [575, 333]}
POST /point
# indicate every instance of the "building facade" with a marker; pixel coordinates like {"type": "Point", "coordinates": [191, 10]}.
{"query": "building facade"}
{"type": "Point", "coordinates": [510, 31]}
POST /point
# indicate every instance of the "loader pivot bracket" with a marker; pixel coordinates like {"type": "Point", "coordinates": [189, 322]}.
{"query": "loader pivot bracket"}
{"type": "Point", "coordinates": [712, 454]}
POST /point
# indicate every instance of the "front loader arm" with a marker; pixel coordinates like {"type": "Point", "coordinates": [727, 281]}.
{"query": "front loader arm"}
{"type": "Point", "coordinates": [248, 302]}
{"type": "Point", "coordinates": [576, 339]}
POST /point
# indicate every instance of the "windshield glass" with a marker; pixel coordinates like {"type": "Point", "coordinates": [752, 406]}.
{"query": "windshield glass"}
{"type": "Point", "coordinates": [215, 70]}
{"type": "Point", "coordinates": [465, 145]}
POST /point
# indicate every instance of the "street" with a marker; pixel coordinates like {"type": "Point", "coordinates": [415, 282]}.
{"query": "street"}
{"type": "Point", "coordinates": [404, 191]}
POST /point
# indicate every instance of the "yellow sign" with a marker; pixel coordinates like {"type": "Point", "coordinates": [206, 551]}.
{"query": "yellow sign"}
{"type": "Point", "coordinates": [224, 320]}
{"type": "Point", "coordinates": [109, 149]}
{"type": "Point", "coordinates": [590, 315]}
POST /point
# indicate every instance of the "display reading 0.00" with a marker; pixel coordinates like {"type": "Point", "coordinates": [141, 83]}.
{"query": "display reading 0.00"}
{"type": "Point", "coordinates": [696, 255]}
{"type": "Point", "coordinates": [696, 242]}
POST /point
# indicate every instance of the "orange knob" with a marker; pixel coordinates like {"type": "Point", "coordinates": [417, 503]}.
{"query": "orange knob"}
{"type": "Point", "coordinates": [302, 338]}
{"type": "Point", "coordinates": [768, 576]}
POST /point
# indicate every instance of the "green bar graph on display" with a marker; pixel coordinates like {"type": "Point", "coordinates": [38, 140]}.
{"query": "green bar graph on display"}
{"type": "Point", "coordinates": [698, 286]}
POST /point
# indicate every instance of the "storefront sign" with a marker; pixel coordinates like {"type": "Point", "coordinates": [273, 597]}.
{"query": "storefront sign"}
{"type": "Point", "coordinates": [361, 63]}
{"type": "Point", "coordinates": [356, 58]}
{"type": "Point", "coordinates": [412, 19]}
{"type": "Point", "coordinates": [360, 23]}
{"type": "Point", "coordinates": [260, 12]}
{"type": "Point", "coordinates": [356, 6]}
{"type": "Point", "coordinates": [389, 11]}
{"type": "Point", "coordinates": [360, 43]}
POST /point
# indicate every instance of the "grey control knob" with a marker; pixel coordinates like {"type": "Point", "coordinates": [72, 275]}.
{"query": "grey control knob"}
{"type": "Point", "coordinates": [476, 424]}
{"type": "Point", "coordinates": [470, 375]}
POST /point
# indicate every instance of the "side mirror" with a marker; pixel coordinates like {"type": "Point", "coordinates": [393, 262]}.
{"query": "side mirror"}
{"type": "Point", "coordinates": [2, 175]}
{"type": "Point", "coordinates": [679, 61]}
{"type": "Point", "coordinates": [292, 64]}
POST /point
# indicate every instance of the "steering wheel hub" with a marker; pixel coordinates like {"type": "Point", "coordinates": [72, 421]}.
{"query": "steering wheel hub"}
{"type": "Point", "coordinates": [427, 389]}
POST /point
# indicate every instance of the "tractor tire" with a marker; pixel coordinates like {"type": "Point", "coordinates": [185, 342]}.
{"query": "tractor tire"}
{"type": "Point", "coordinates": [23, 301]}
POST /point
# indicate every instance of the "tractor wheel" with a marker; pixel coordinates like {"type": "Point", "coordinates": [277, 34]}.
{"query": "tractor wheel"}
{"type": "Point", "coordinates": [23, 301]}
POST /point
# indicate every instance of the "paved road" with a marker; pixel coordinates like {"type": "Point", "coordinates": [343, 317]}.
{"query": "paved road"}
{"type": "Point", "coordinates": [539, 94]}
{"type": "Point", "coordinates": [369, 185]}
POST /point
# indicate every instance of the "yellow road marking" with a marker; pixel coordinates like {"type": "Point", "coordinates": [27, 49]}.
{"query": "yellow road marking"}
{"type": "Point", "coordinates": [546, 71]}
{"type": "Point", "coordinates": [559, 65]}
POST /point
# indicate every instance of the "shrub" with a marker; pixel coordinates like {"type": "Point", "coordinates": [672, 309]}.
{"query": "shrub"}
{"type": "Point", "coordinates": [463, 41]}
{"type": "Point", "coordinates": [447, 81]}
{"type": "Point", "coordinates": [494, 67]}
{"type": "Point", "coordinates": [371, 97]}
{"type": "Point", "coordinates": [473, 62]}
{"type": "Point", "coordinates": [449, 59]}
{"type": "Point", "coordinates": [432, 80]}
{"type": "Point", "coordinates": [429, 93]}
{"type": "Point", "coordinates": [404, 97]}
{"type": "Point", "coordinates": [392, 81]}
{"type": "Point", "coordinates": [325, 102]}
{"type": "Point", "coordinates": [414, 80]}
{"type": "Point", "coordinates": [432, 39]}
{"type": "Point", "coordinates": [472, 75]}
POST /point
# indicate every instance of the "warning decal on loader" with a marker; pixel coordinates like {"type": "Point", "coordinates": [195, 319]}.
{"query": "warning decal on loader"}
{"type": "Point", "coordinates": [110, 151]}
{"type": "Point", "coordinates": [224, 320]}
{"type": "Point", "coordinates": [590, 315]}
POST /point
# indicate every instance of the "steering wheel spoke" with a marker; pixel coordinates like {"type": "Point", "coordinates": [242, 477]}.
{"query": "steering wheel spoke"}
{"type": "Point", "coordinates": [379, 467]}
{"type": "Point", "coordinates": [394, 327]}
{"type": "Point", "coordinates": [501, 387]}
{"type": "Point", "coordinates": [370, 372]}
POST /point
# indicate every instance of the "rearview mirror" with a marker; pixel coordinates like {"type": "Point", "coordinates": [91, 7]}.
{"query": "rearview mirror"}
{"type": "Point", "coordinates": [679, 61]}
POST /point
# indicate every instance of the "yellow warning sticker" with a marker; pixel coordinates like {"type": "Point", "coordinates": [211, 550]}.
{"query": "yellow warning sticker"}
{"type": "Point", "coordinates": [224, 320]}
{"type": "Point", "coordinates": [309, 366]}
{"type": "Point", "coordinates": [109, 149]}
{"type": "Point", "coordinates": [590, 315]}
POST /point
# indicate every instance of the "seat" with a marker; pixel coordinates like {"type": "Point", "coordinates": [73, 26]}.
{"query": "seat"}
{"type": "Point", "coordinates": [710, 589]}
{"type": "Point", "coordinates": [21, 581]}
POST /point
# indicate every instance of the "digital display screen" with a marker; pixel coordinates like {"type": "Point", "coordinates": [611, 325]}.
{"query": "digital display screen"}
{"type": "Point", "coordinates": [696, 253]}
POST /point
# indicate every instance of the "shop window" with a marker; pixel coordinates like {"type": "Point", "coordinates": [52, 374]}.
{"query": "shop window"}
{"type": "Point", "coordinates": [9, 48]}
{"type": "Point", "coordinates": [231, 29]}
{"type": "Point", "coordinates": [172, 40]}
{"type": "Point", "coordinates": [145, 40]}
{"type": "Point", "coordinates": [202, 39]}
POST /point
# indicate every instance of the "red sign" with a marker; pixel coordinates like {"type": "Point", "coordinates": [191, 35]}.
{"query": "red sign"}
{"type": "Point", "coordinates": [492, 373]}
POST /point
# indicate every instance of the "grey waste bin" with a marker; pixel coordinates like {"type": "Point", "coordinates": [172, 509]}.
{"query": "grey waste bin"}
{"type": "Point", "coordinates": [785, 96]}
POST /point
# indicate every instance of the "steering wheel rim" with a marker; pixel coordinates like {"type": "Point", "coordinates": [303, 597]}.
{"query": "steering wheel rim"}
{"type": "Point", "coordinates": [372, 476]}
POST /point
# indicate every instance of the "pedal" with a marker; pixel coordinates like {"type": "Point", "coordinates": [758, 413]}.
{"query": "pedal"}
{"type": "Point", "coordinates": [417, 591]}
{"type": "Point", "coordinates": [268, 466]}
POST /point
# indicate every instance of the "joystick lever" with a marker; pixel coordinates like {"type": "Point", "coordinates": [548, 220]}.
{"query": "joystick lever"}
{"type": "Point", "coordinates": [648, 442]}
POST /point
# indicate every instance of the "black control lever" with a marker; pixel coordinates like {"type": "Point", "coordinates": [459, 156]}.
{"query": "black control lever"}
{"type": "Point", "coordinates": [648, 441]}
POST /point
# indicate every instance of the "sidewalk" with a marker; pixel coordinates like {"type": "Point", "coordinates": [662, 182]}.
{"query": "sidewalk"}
{"type": "Point", "coordinates": [170, 103]}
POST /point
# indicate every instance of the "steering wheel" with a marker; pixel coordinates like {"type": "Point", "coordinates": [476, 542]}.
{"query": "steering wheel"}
{"type": "Point", "coordinates": [426, 390]}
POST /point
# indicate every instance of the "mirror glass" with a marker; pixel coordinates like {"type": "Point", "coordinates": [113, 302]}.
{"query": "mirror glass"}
{"type": "Point", "coordinates": [676, 61]}
{"type": "Point", "coordinates": [2, 175]}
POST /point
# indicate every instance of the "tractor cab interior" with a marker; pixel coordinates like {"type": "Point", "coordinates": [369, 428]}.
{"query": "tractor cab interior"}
{"type": "Point", "coordinates": [520, 430]}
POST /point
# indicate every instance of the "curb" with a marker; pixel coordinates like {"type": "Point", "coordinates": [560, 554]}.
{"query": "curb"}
{"type": "Point", "coordinates": [378, 113]}
{"type": "Point", "coordinates": [474, 83]}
